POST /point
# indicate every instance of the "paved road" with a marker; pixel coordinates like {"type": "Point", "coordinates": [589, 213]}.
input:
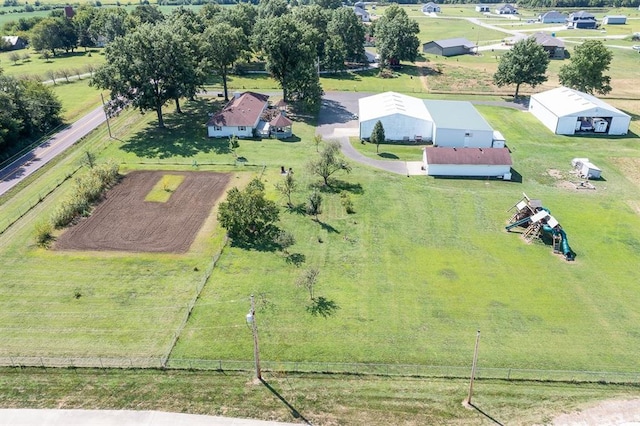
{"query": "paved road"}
{"type": "Point", "coordinates": [11, 175]}
{"type": "Point", "coordinates": [29, 417]}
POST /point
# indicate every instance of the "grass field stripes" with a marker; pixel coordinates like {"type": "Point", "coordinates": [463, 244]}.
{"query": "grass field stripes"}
{"type": "Point", "coordinates": [192, 302]}
{"type": "Point", "coordinates": [399, 370]}
{"type": "Point", "coordinates": [34, 201]}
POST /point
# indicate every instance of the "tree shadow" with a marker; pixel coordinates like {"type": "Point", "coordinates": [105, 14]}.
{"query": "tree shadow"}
{"type": "Point", "coordinates": [295, 413]}
{"type": "Point", "coordinates": [336, 186]}
{"type": "Point", "coordinates": [296, 259]}
{"type": "Point", "coordinates": [184, 134]}
{"type": "Point", "coordinates": [323, 307]}
{"type": "Point", "coordinates": [333, 112]}
{"type": "Point", "coordinates": [388, 155]}
{"type": "Point", "coordinates": [291, 139]}
{"type": "Point", "coordinates": [330, 229]}
{"type": "Point", "coordinates": [484, 414]}
{"type": "Point", "coordinates": [263, 244]}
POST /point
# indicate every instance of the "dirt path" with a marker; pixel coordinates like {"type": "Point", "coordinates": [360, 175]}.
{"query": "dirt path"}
{"type": "Point", "coordinates": [423, 66]}
{"type": "Point", "coordinates": [614, 412]}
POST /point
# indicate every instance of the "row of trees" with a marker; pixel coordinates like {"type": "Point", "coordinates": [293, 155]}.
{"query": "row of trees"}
{"type": "Point", "coordinates": [527, 62]}
{"type": "Point", "coordinates": [27, 109]}
{"type": "Point", "coordinates": [164, 59]}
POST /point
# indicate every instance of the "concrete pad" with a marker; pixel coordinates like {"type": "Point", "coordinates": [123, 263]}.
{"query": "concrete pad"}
{"type": "Point", "coordinates": [414, 168]}
{"type": "Point", "coordinates": [32, 417]}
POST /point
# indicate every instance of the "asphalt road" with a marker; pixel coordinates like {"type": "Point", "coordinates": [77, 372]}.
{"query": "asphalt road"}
{"type": "Point", "coordinates": [24, 166]}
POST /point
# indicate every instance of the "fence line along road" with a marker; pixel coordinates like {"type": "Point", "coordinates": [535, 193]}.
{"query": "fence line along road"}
{"type": "Point", "coordinates": [396, 370]}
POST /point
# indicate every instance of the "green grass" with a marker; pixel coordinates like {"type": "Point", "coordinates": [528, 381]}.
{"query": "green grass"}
{"type": "Point", "coordinates": [75, 62]}
{"type": "Point", "coordinates": [412, 274]}
{"type": "Point", "coordinates": [321, 400]}
{"type": "Point", "coordinates": [162, 191]}
{"type": "Point", "coordinates": [390, 150]}
{"type": "Point", "coordinates": [77, 98]}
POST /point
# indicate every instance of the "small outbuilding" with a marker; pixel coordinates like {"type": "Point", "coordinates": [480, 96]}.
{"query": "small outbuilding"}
{"type": "Point", "coordinates": [449, 47]}
{"type": "Point", "coordinates": [476, 162]}
{"type": "Point", "coordinates": [614, 20]}
{"type": "Point", "coordinates": [586, 169]}
{"type": "Point", "coordinates": [458, 124]}
{"type": "Point", "coordinates": [566, 111]}
{"type": "Point", "coordinates": [403, 117]}
{"type": "Point", "coordinates": [482, 8]}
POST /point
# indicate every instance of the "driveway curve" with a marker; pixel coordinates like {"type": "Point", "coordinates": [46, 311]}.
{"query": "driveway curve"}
{"type": "Point", "coordinates": [338, 121]}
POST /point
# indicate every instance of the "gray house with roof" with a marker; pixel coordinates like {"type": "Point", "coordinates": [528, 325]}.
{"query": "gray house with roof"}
{"type": "Point", "coordinates": [506, 9]}
{"type": "Point", "coordinates": [449, 47]}
{"type": "Point", "coordinates": [552, 17]}
{"type": "Point", "coordinates": [554, 46]}
{"type": "Point", "coordinates": [583, 20]}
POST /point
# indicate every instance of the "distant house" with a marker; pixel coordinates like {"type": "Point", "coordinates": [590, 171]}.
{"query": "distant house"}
{"type": "Point", "coordinates": [582, 20]}
{"type": "Point", "coordinates": [506, 9]}
{"type": "Point", "coordinates": [482, 8]}
{"type": "Point", "coordinates": [430, 7]}
{"type": "Point", "coordinates": [551, 44]}
{"type": "Point", "coordinates": [13, 43]}
{"type": "Point", "coordinates": [614, 20]}
{"type": "Point", "coordinates": [449, 47]}
{"type": "Point", "coordinates": [552, 17]}
{"type": "Point", "coordinates": [361, 12]}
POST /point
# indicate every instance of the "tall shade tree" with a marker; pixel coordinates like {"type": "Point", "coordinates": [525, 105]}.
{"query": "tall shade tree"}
{"type": "Point", "coordinates": [222, 46]}
{"type": "Point", "coordinates": [54, 33]}
{"type": "Point", "coordinates": [145, 67]}
{"type": "Point", "coordinates": [290, 49]}
{"type": "Point", "coordinates": [318, 18]}
{"type": "Point", "coordinates": [109, 23]}
{"type": "Point", "coordinates": [346, 25]}
{"type": "Point", "coordinates": [396, 36]}
{"type": "Point", "coordinates": [82, 21]}
{"type": "Point", "coordinates": [334, 54]}
{"type": "Point", "coordinates": [586, 70]}
{"type": "Point", "coordinates": [525, 63]}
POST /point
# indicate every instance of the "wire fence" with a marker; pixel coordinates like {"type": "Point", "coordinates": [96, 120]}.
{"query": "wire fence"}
{"type": "Point", "coordinates": [278, 367]}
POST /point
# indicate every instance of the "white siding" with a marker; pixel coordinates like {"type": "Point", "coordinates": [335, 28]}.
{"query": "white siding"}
{"type": "Point", "coordinates": [566, 125]}
{"type": "Point", "coordinates": [543, 114]}
{"type": "Point", "coordinates": [467, 170]}
{"type": "Point", "coordinates": [457, 138]}
{"type": "Point", "coordinates": [397, 127]}
{"type": "Point", "coordinates": [229, 131]}
{"type": "Point", "coordinates": [619, 125]}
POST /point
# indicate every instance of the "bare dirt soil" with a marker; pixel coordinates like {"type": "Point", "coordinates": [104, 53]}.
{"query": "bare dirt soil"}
{"type": "Point", "coordinates": [124, 221]}
{"type": "Point", "coordinates": [615, 412]}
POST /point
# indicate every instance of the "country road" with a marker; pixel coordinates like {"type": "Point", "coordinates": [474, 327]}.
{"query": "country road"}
{"type": "Point", "coordinates": [27, 164]}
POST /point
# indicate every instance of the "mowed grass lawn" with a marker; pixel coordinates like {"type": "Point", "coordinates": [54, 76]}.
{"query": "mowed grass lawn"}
{"type": "Point", "coordinates": [408, 278]}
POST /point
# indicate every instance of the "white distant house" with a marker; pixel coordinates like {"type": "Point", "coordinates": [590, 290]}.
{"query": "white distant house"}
{"type": "Point", "coordinates": [478, 162]}
{"type": "Point", "coordinates": [506, 9]}
{"type": "Point", "coordinates": [458, 124]}
{"type": "Point", "coordinates": [430, 7]}
{"type": "Point", "coordinates": [13, 42]}
{"type": "Point", "coordinates": [483, 8]}
{"type": "Point", "coordinates": [614, 20]}
{"type": "Point", "coordinates": [552, 17]}
{"type": "Point", "coordinates": [360, 10]}
{"type": "Point", "coordinates": [566, 111]}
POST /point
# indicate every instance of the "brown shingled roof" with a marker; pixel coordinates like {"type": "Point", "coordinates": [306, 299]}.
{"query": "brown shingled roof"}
{"type": "Point", "coordinates": [245, 110]}
{"type": "Point", "coordinates": [281, 121]}
{"type": "Point", "coordinates": [471, 156]}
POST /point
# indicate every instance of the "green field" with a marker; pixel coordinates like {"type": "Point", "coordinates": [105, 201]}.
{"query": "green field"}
{"type": "Point", "coordinates": [442, 266]}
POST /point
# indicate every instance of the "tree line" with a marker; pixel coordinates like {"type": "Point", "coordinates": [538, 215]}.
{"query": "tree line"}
{"type": "Point", "coordinates": [28, 108]}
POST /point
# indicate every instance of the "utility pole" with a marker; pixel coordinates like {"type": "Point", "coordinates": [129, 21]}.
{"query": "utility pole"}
{"type": "Point", "coordinates": [251, 320]}
{"type": "Point", "coordinates": [473, 370]}
{"type": "Point", "coordinates": [106, 115]}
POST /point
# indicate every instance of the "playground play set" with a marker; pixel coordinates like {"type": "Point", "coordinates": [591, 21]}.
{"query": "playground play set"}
{"type": "Point", "coordinates": [538, 223]}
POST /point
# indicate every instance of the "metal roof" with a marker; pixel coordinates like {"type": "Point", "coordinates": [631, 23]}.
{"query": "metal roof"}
{"type": "Point", "coordinates": [468, 156]}
{"type": "Point", "coordinates": [563, 101]}
{"type": "Point", "coordinates": [454, 42]}
{"type": "Point", "coordinates": [456, 115]}
{"type": "Point", "coordinates": [389, 103]}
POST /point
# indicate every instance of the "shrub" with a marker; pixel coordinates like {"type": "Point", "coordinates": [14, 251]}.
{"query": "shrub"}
{"type": "Point", "coordinates": [43, 233]}
{"type": "Point", "coordinates": [345, 199]}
